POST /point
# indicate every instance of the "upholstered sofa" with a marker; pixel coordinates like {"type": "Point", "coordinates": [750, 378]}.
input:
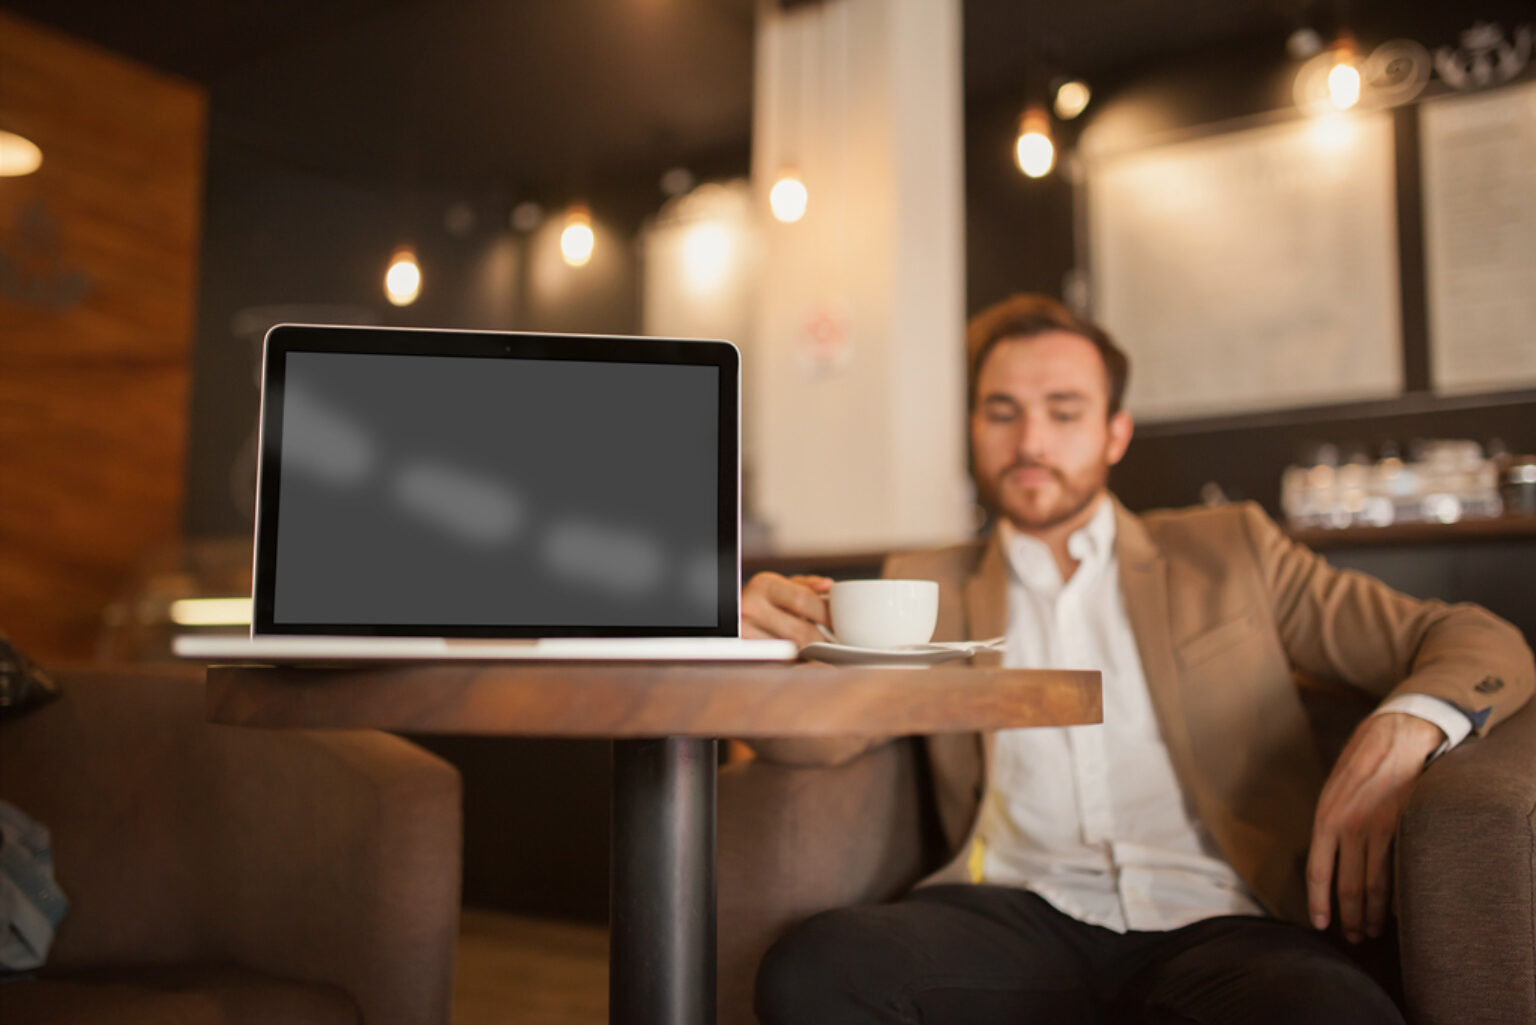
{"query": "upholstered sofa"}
{"type": "Point", "coordinates": [226, 875]}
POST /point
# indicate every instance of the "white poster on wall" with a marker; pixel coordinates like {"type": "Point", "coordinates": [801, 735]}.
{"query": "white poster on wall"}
{"type": "Point", "coordinates": [1251, 270]}
{"type": "Point", "coordinates": [1479, 160]}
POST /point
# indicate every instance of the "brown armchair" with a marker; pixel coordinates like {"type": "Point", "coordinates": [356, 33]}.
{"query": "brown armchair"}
{"type": "Point", "coordinates": [1466, 861]}
{"type": "Point", "coordinates": [218, 874]}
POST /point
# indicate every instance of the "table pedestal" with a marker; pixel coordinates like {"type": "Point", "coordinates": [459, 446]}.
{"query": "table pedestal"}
{"type": "Point", "coordinates": [662, 872]}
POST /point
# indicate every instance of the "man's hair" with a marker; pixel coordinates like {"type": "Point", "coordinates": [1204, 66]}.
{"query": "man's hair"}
{"type": "Point", "coordinates": [1026, 316]}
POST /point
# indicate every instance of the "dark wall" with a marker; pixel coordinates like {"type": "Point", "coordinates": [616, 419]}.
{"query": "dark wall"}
{"type": "Point", "coordinates": [283, 243]}
{"type": "Point", "coordinates": [1021, 237]}
{"type": "Point", "coordinates": [536, 823]}
{"type": "Point", "coordinates": [1018, 230]}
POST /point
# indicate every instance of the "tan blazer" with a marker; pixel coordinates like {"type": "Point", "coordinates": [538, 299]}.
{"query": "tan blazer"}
{"type": "Point", "coordinates": [1226, 611]}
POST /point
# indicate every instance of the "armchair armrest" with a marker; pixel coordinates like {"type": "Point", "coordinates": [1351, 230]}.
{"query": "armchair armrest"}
{"type": "Point", "coordinates": [794, 841]}
{"type": "Point", "coordinates": [356, 836]}
{"type": "Point", "coordinates": [1466, 861]}
{"type": "Point", "coordinates": [328, 857]}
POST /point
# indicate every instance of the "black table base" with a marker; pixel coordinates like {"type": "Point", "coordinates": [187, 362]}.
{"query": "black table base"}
{"type": "Point", "coordinates": [661, 959]}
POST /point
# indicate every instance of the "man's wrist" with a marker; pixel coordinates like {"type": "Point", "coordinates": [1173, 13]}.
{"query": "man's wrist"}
{"type": "Point", "coordinates": [1418, 726]}
{"type": "Point", "coordinates": [1414, 735]}
{"type": "Point", "coordinates": [1452, 723]}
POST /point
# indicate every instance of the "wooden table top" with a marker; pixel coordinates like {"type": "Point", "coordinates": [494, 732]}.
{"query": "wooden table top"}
{"type": "Point", "coordinates": [586, 699]}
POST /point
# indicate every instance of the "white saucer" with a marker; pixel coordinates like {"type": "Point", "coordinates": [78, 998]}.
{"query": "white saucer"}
{"type": "Point", "coordinates": [906, 658]}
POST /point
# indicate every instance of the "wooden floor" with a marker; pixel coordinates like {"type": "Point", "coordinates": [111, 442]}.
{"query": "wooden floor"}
{"type": "Point", "coordinates": [528, 971]}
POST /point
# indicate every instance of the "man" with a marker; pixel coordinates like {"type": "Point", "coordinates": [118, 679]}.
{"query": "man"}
{"type": "Point", "coordinates": [1175, 863]}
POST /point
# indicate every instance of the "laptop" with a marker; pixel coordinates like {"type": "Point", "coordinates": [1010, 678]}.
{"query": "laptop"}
{"type": "Point", "coordinates": [437, 494]}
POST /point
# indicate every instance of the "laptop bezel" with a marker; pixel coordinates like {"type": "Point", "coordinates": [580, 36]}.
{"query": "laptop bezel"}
{"type": "Point", "coordinates": [283, 339]}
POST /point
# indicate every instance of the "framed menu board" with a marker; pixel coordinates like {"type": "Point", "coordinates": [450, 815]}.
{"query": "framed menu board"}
{"type": "Point", "coordinates": [1479, 160]}
{"type": "Point", "coordinates": [1251, 270]}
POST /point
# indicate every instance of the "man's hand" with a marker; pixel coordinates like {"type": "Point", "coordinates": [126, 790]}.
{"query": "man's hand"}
{"type": "Point", "coordinates": [785, 607]}
{"type": "Point", "coordinates": [1357, 818]}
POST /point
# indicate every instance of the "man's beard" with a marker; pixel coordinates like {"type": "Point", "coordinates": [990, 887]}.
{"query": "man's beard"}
{"type": "Point", "coordinates": [1075, 496]}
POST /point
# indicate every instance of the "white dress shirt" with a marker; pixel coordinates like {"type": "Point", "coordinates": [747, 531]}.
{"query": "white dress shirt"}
{"type": "Point", "coordinates": [1092, 818]}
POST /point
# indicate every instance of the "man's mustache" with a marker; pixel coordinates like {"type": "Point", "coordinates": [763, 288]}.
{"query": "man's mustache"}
{"type": "Point", "coordinates": [1030, 464]}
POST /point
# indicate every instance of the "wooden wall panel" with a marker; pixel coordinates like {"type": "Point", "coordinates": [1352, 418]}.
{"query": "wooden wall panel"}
{"type": "Point", "coordinates": [97, 274]}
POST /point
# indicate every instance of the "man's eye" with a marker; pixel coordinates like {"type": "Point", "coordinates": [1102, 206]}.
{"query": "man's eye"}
{"type": "Point", "coordinates": [1063, 417]}
{"type": "Point", "coordinates": [999, 416]}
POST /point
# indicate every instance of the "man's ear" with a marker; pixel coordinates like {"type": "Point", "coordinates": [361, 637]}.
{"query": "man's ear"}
{"type": "Point", "coordinates": [1121, 427]}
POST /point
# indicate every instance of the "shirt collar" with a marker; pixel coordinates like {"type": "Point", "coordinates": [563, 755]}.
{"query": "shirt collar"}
{"type": "Point", "coordinates": [1090, 545]}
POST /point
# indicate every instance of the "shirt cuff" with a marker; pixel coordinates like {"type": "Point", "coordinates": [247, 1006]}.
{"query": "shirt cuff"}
{"type": "Point", "coordinates": [1453, 722]}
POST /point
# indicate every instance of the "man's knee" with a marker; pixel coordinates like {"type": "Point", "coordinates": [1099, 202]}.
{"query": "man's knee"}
{"type": "Point", "coordinates": [828, 968]}
{"type": "Point", "coordinates": [1326, 993]}
{"type": "Point", "coordinates": [1284, 988]}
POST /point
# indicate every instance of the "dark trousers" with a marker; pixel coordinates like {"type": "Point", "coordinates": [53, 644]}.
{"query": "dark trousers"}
{"type": "Point", "coordinates": [979, 955]}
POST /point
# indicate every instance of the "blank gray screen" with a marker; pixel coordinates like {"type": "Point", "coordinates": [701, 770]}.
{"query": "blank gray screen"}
{"type": "Point", "coordinates": [443, 490]}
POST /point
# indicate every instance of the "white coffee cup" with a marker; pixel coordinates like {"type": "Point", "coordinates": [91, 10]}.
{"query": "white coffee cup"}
{"type": "Point", "coordinates": [884, 613]}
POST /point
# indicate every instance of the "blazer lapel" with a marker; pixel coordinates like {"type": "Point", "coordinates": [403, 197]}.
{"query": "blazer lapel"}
{"type": "Point", "coordinates": [986, 599]}
{"type": "Point", "coordinates": [986, 616]}
{"type": "Point", "coordinates": [1144, 583]}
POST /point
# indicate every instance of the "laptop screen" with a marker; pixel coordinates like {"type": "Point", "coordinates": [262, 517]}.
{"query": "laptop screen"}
{"type": "Point", "coordinates": [484, 484]}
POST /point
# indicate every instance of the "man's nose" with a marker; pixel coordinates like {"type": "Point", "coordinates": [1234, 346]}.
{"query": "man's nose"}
{"type": "Point", "coordinates": [1032, 440]}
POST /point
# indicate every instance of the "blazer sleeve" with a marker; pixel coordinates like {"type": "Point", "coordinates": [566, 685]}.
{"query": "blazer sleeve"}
{"type": "Point", "coordinates": [1342, 625]}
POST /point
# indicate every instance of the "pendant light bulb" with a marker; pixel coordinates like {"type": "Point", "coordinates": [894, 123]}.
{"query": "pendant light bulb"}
{"type": "Point", "coordinates": [1072, 98]}
{"type": "Point", "coordinates": [789, 196]}
{"type": "Point", "coordinates": [18, 155]}
{"type": "Point", "coordinates": [1034, 151]}
{"type": "Point", "coordinates": [1344, 76]}
{"type": "Point", "coordinates": [402, 281]}
{"type": "Point", "coordinates": [577, 239]}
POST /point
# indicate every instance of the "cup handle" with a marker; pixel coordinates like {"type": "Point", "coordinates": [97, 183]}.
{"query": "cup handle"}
{"type": "Point", "coordinates": [828, 634]}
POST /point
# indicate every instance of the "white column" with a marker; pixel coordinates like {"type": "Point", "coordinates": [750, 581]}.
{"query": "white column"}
{"type": "Point", "coordinates": [855, 381]}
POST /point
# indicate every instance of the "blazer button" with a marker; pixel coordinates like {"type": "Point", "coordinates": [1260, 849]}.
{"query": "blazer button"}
{"type": "Point", "coordinates": [1490, 685]}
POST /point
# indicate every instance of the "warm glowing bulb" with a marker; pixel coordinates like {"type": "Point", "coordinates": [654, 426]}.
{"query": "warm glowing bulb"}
{"type": "Point", "coordinates": [18, 156]}
{"type": "Point", "coordinates": [1035, 154]}
{"type": "Point", "coordinates": [1034, 151]}
{"type": "Point", "coordinates": [788, 197]}
{"type": "Point", "coordinates": [1072, 99]}
{"type": "Point", "coordinates": [577, 240]}
{"type": "Point", "coordinates": [1344, 84]}
{"type": "Point", "coordinates": [402, 282]}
